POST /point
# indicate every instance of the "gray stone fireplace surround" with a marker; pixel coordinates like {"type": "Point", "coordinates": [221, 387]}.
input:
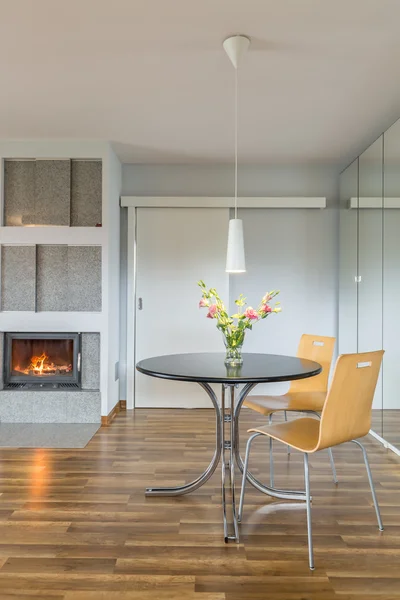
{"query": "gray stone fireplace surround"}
{"type": "Point", "coordinates": [59, 247]}
{"type": "Point", "coordinates": [78, 406]}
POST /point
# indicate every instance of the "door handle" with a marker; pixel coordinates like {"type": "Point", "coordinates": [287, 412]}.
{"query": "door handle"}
{"type": "Point", "coordinates": [140, 304]}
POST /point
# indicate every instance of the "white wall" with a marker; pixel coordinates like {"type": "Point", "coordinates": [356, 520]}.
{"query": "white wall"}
{"type": "Point", "coordinates": [123, 303]}
{"type": "Point", "coordinates": [318, 230]}
{"type": "Point", "coordinates": [113, 288]}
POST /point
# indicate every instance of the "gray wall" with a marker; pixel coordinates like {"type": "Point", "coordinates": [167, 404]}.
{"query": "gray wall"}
{"type": "Point", "coordinates": [254, 180]}
{"type": "Point", "coordinates": [217, 180]}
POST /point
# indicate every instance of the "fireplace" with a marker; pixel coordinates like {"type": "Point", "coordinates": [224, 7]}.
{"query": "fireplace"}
{"type": "Point", "coordinates": [42, 361]}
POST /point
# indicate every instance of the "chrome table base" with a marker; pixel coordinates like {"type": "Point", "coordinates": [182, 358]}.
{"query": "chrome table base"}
{"type": "Point", "coordinates": [227, 420]}
{"type": "Point", "coordinates": [201, 480]}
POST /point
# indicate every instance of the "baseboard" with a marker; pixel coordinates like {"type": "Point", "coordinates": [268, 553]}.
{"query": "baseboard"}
{"type": "Point", "coordinates": [385, 443]}
{"type": "Point", "coordinates": [106, 420]}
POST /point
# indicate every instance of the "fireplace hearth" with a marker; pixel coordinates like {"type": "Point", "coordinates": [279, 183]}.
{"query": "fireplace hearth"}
{"type": "Point", "coordinates": [42, 361]}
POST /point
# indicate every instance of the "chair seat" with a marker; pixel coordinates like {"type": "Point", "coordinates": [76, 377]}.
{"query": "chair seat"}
{"type": "Point", "coordinates": [301, 434]}
{"type": "Point", "coordinates": [296, 401]}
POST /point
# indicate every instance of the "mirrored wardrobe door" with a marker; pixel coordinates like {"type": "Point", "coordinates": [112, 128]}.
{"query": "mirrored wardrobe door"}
{"type": "Point", "coordinates": [370, 256]}
{"type": "Point", "coordinates": [391, 287]}
{"type": "Point", "coordinates": [347, 339]}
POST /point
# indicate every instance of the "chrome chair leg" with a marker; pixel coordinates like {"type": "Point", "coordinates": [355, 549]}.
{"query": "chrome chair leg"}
{"type": "Point", "coordinates": [371, 484]}
{"type": "Point", "coordinates": [308, 504]}
{"type": "Point", "coordinates": [244, 478]}
{"type": "Point", "coordinates": [335, 479]}
{"type": "Point", "coordinates": [271, 464]}
{"type": "Point", "coordinates": [271, 457]}
{"type": "Point", "coordinates": [285, 415]}
{"type": "Point", "coordinates": [261, 487]}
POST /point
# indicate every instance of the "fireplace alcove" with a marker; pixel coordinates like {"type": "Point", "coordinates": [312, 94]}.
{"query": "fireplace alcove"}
{"type": "Point", "coordinates": [42, 361]}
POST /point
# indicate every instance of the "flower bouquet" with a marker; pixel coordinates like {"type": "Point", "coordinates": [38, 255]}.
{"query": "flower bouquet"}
{"type": "Point", "coordinates": [234, 327]}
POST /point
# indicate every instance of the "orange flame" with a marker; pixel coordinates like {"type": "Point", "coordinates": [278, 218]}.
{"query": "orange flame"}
{"type": "Point", "coordinates": [37, 363]}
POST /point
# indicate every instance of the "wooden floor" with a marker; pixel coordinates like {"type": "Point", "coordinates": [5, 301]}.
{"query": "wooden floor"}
{"type": "Point", "coordinates": [386, 423]}
{"type": "Point", "coordinates": [75, 525]}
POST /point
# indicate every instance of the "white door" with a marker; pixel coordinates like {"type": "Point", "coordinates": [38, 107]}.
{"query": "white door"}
{"type": "Point", "coordinates": [175, 248]}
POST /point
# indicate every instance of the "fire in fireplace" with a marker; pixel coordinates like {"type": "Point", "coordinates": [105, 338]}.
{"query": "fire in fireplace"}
{"type": "Point", "coordinates": [40, 360]}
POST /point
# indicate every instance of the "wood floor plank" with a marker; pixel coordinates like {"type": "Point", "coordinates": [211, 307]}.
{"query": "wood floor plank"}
{"type": "Point", "coordinates": [58, 565]}
{"type": "Point", "coordinates": [180, 593]}
{"type": "Point", "coordinates": [30, 595]}
{"type": "Point", "coordinates": [75, 524]}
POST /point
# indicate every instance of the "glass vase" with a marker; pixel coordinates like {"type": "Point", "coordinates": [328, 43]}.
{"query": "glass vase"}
{"type": "Point", "coordinates": [233, 345]}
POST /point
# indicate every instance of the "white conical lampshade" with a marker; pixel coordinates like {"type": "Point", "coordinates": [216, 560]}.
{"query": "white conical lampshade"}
{"type": "Point", "coordinates": [235, 47]}
{"type": "Point", "coordinates": [235, 260]}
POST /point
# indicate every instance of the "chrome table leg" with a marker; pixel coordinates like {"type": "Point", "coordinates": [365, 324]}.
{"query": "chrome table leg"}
{"type": "Point", "coordinates": [201, 480]}
{"type": "Point", "coordinates": [232, 465]}
{"type": "Point", "coordinates": [229, 465]}
{"type": "Point", "coordinates": [221, 445]}
{"type": "Point", "coordinates": [223, 466]}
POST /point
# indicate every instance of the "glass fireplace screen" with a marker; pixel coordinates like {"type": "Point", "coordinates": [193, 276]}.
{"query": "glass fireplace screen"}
{"type": "Point", "coordinates": [42, 357]}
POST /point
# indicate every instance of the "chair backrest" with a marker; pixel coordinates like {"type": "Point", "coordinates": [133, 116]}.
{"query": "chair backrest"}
{"type": "Point", "coordinates": [320, 349]}
{"type": "Point", "coordinates": [347, 410]}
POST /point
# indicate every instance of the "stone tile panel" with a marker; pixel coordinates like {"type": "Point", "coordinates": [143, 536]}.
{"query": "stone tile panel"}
{"type": "Point", "coordinates": [18, 278]}
{"type": "Point", "coordinates": [86, 193]}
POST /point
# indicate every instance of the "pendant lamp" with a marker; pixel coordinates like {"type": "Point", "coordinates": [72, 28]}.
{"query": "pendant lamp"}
{"type": "Point", "coordinates": [235, 47]}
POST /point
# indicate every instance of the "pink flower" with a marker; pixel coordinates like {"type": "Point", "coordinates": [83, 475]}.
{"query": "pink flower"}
{"type": "Point", "coordinates": [250, 313]}
{"type": "Point", "coordinates": [267, 298]}
{"type": "Point", "coordinates": [203, 302]}
{"type": "Point", "coordinates": [211, 311]}
{"type": "Point", "coordinates": [266, 308]}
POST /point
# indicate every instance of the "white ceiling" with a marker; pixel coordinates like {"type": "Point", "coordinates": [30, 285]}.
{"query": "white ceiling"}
{"type": "Point", "coordinates": [321, 78]}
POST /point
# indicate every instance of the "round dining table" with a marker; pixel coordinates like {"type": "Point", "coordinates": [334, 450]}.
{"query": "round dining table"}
{"type": "Point", "coordinates": [209, 368]}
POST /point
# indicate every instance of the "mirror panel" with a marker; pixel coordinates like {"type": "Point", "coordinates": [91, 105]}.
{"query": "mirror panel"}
{"type": "Point", "coordinates": [370, 257]}
{"type": "Point", "coordinates": [347, 339]}
{"type": "Point", "coordinates": [391, 287]}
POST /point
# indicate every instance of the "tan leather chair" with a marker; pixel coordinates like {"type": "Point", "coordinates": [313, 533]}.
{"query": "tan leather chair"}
{"type": "Point", "coordinates": [346, 415]}
{"type": "Point", "coordinates": [304, 395]}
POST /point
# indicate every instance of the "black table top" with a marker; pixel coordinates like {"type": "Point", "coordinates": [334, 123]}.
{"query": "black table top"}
{"type": "Point", "coordinates": [210, 368]}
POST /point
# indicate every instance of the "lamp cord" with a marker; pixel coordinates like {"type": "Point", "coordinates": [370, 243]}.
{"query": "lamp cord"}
{"type": "Point", "coordinates": [236, 139]}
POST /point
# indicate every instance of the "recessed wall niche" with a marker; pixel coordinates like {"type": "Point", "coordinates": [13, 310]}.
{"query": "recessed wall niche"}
{"type": "Point", "coordinates": [52, 192]}
{"type": "Point", "coordinates": [51, 278]}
